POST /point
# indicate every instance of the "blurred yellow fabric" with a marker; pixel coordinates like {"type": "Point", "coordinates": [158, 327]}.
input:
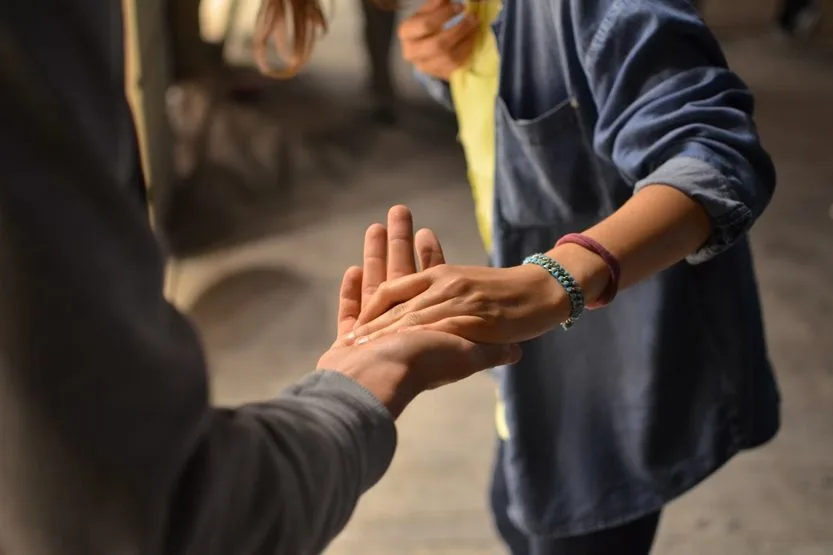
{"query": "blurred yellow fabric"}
{"type": "Point", "coordinates": [473, 89]}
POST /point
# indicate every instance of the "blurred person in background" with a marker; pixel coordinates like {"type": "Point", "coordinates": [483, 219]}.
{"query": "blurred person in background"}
{"type": "Point", "coordinates": [194, 58]}
{"type": "Point", "coordinates": [799, 19]}
{"type": "Point", "coordinates": [379, 34]}
{"type": "Point", "coordinates": [610, 150]}
{"type": "Point", "coordinates": [109, 442]}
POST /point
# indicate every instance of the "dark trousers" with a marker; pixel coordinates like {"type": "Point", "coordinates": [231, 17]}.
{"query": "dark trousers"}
{"type": "Point", "coordinates": [633, 538]}
{"type": "Point", "coordinates": [379, 27]}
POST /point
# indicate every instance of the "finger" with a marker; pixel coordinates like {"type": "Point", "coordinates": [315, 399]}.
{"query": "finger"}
{"type": "Point", "coordinates": [470, 358]}
{"type": "Point", "coordinates": [470, 328]}
{"type": "Point", "coordinates": [444, 64]}
{"type": "Point", "coordinates": [349, 300]}
{"type": "Point", "coordinates": [482, 356]}
{"type": "Point", "coordinates": [375, 261]}
{"type": "Point", "coordinates": [443, 45]}
{"type": "Point", "coordinates": [429, 20]}
{"type": "Point", "coordinates": [400, 243]}
{"type": "Point", "coordinates": [428, 248]}
{"type": "Point", "coordinates": [393, 293]}
{"type": "Point", "coordinates": [422, 312]}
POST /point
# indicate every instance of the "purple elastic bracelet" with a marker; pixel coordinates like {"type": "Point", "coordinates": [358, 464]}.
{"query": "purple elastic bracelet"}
{"type": "Point", "coordinates": [612, 263]}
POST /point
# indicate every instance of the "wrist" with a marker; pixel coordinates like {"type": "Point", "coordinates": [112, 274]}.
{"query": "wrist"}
{"type": "Point", "coordinates": [546, 293]}
{"type": "Point", "coordinates": [586, 267]}
{"type": "Point", "coordinates": [390, 382]}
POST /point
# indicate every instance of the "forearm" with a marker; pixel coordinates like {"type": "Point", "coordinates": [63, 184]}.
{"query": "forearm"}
{"type": "Point", "coordinates": [678, 126]}
{"type": "Point", "coordinates": [283, 477]}
{"type": "Point", "coordinates": [655, 229]}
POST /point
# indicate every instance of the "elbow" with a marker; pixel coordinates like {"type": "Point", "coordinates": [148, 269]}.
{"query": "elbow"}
{"type": "Point", "coordinates": [763, 171]}
{"type": "Point", "coordinates": [733, 186]}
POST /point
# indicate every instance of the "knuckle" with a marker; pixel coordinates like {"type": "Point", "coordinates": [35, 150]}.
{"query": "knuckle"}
{"type": "Point", "coordinates": [489, 312]}
{"type": "Point", "coordinates": [382, 289]}
{"type": "Point", "coordinates": [420, 26]}
{"type": "Point", "coordinates": [457, 285]}
{"type": "Point", "coordinates": [410, 25]}
{"type": "Point", "coordinates": [479, 301]}
{"type": "Point", "coordinates": [443, 41]}
{"type": "Point", "coordinates": [440, 45]}
{"type": "Point", "coordinates": [439, 272]}
{"type": "Point", "coordinates": [401, 241]}
{"type": "Point", "coordinates": [403, 31]}
{"type": "Point", "coordinates": [399, 311]}
{"type": "Point", "coordinates": [412, 319]}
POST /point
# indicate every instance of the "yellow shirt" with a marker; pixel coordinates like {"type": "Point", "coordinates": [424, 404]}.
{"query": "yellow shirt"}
{"type": "Point", "coordinates": [473, 89]}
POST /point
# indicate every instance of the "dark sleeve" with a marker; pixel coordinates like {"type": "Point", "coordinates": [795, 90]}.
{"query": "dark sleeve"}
{"type": "Point", "coordinates": [670, 111]}
{"type": "Point", "coordinates": [282, 477]}
{"type": "Point", "coordinates": [103, 388]}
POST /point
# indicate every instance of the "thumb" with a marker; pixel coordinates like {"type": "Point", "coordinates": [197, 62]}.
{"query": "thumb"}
{"type": "Point", "coordinates": [484, 356]}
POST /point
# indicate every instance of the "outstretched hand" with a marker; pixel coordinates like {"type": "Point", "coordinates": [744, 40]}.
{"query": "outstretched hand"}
{"type": "Point", "coordinates": [388, 254]}
{"type": "Point", "coordinates": [398, 367]}
{"type": "Point", "coordinates": [481, 304]}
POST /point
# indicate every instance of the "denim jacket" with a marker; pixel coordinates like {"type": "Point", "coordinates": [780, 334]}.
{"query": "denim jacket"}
{"type": "Point", "coordinates": [643, 399]}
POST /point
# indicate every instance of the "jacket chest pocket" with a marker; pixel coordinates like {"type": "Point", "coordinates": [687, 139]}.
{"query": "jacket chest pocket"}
{"type": "Point", "coordinates": [544, 170]}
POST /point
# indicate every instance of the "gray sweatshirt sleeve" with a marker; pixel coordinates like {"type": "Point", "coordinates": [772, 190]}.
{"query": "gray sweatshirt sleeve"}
{"type": "Point", "coordinates": [109, 443]}
{"type": "Point", "coordinates": [283, 477]}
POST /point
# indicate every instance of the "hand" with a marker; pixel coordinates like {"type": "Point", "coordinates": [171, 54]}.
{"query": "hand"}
{"type": "Point", "coordinates": [486, 305]}
{"type": "Point", "coordinates": [397, 368]}
{"type": "Point", "coordinates": [429, 46]}
{"type": "Point", "coordinates": [388, 254]}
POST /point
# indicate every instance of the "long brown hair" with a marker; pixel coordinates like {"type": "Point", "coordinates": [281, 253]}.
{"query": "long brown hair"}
{"type": "Point", "coordinates": [293, 27]}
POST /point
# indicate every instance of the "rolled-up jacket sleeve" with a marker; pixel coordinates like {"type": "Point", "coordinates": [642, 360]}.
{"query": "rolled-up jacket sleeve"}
{"type": "Point", "coordinates": [671, 112]}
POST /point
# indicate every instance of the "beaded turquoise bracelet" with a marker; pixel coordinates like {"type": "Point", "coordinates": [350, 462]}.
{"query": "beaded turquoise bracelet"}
{"type": "Point", "coordinates": [570, 285]}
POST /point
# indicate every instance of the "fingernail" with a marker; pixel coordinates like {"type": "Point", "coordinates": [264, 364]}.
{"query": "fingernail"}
{"type": "Point", "coordinates": [362, 340]}
{"type": "Point", "coordinates": [454, 21]}
{"type": "Point", "coordinates": [349, 337]}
